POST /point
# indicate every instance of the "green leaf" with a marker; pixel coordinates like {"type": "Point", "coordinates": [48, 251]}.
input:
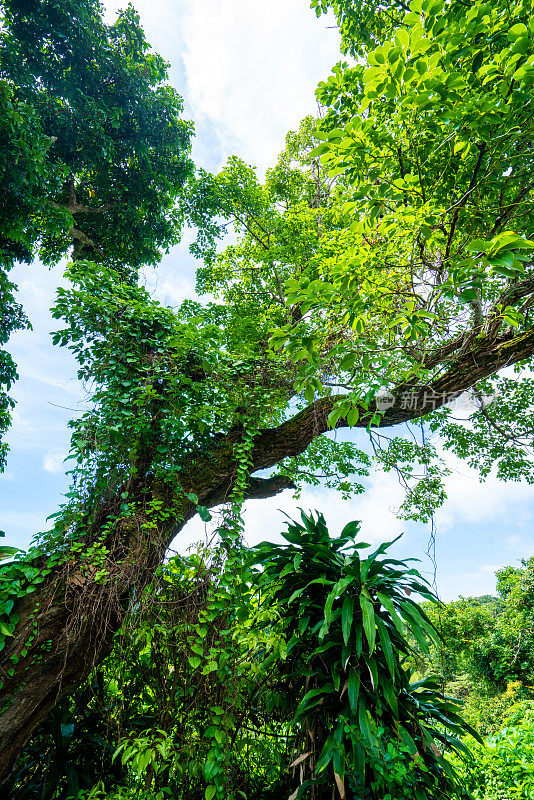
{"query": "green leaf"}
{"type": "Point", "coordinates": [417, 631]}
{"type": "Point", "coordinates": [387, 649]}
{"type": "Point", "coordinates": [327, 754]}
{"type": "Point", "coordinates": [406, 739]}
{"type": "Point", "coordinates": [203, 513]}
{"type": "Point", "coordinates": [7, 552]}
{"type": "Point", "coordinates": [373, 671]}
{"type": "Point", "coordinates": [351, 530]}
{"type": "Point", "coordinates": [364, 723]}
{"type": "Point", "coordinates": [390, 608]}
{"type": "Point", "coordinates": [353, 416]}
{"type": "Point", "coordinates": [296, 593]}
{"type": "Point", "coordinates": [358, 640]}
{"type": "Point", "coordinates": [210, 792]}
{"type": "Point", "coordinates": [518, 31]}
{"type": "Point", "coordinates": [353, 689]}
{"type": "Point", "coordinates": [337, 591]}
{"type": "Point", "coordinates": [368, 616]}
{"type": "Point", "coordinates": [421, 618]}
{"type": "Point", "coordinates": [347, 613]}
{"type": "Point", "coordinates": [312, 698]}
{"type": "Point", "coordinates": [478, 246]}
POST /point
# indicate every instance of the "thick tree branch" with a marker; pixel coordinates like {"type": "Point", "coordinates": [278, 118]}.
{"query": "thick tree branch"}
{"type": "Point", "coordinates": [481, 360]}
{"type": "Point", "coordinates": [80, 236]}
{"type": "Point", "coordinates": [258, 489]}
{"type": "Point", "coordinates": [77, 208]}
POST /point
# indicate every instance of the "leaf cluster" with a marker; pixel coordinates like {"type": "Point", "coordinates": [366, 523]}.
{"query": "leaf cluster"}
{"type": "Point", "coordinates": [346, 619]}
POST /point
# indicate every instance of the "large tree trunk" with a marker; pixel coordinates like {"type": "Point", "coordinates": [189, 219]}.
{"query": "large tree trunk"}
{"type": "Point", "coordinates": [66, 625]}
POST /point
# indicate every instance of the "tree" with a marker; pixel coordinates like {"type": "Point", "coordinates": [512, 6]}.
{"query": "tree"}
{"type": "Point", "coordinates": [400, 260]}
{"type": "Point", "coordinates": [507, 653]}
{"type": "Point", "coordinates": [94, 151]}
{"type": "Point", "coordinates": [179, 705]}
{"type": "Point", "coordinates": [23, 157]}
{"type": "Point", "coordinates": [363, 23]}
{"type": "Point", "coordinates": [486, 655]}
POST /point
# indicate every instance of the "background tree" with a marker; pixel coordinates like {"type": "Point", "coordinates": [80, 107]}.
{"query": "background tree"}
{"type": "Point", "coordinates": [362, 24]}
{"type": "Point", "coordinates": [488, 649]}
{"type": "Point", "coordinates": [94, 152]}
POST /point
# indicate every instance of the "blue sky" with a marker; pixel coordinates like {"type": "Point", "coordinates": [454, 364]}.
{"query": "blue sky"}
{"type": "Point", "coordinates": [247, 72]}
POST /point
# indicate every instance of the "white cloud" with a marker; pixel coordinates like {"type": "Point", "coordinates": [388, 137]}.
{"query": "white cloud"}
{"type": "Point", "coordinates": [53, 462]}
{"type": "Point", "coordinates": [167, 283]}
{"type": "Point", "coordinates": [468, 583]}
{"type": "Point", "coordinates": [472, 500]}
{"type": "Point", "coordinates": [13, 522]}
{"type": "Point", "coordinates": [264, 519]}
{"type": "Point", "coordinates": [250, 69]}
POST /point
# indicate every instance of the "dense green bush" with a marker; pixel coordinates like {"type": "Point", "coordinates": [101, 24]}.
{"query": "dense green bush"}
{"type": "Point", "coordinates": [503, 769]}
{"type": "Point", "coordinates": [362, 725]}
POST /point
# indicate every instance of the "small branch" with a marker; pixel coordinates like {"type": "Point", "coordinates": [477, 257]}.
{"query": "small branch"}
{"type": "Point", "coordinates": [463, 200]}
{"type": "Point", "coordinates": [509, 437]}
{"type": "Point", "coordinates": [511, 295]}
{"type": "Point", "coordinates": [85, 240]}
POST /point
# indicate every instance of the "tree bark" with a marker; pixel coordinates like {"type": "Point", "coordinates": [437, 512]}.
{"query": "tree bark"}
{"type": "Point", "coordinates": [66, 626]}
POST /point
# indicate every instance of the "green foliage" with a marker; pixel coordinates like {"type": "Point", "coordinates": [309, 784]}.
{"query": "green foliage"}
{"type": "Point", "coordinates": [393, 236]}
{"type": "Point", "coordinates": [94, 152]}
{"type": "Point", "coordinates": [71, 750]}
{"type": "Point", "coordinates": [508, 653]}
{"type": "Point", "coordinates": [502, 770]}
{"type": "Point", "coordinates": [388, 248]}
{"type": "Point", "coordinates": [226, 674]}
{"type": "Point", "coordinates": [181, 705]}
{"type": "Point", "coordinates": [361, 22]}
{"type": "Point", "coordinates": [491, 641]}
{"type": "Point", "coordinates": [345, 619]}
{"type": "Point", "coordinates": [328, 463]}
{"type": "Point", "coordinates": [462, 624]}
{"type": "Point", "coordinates": [433, 116]}
{"type": "Point", "coordinates": [116, 143]}
{"type": "Point", "coordinates": [24, 173]}
{"type": "Point", "coordinates": [420, 470]}
{"type": "Point", "coordinates": [165, 384]}
{"type": "Point", "coordinates": [500, 435]}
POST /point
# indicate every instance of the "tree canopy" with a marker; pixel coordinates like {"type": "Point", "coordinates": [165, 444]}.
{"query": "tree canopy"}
{"type": "Point", "coordinates": [382, 269]}
{"type": "Point", "coordinates": [94, 152]}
